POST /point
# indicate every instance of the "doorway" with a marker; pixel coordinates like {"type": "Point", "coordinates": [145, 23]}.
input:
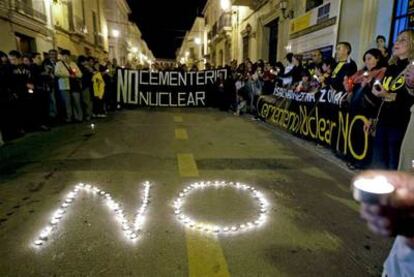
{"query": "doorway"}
{"type": "Point", "coordinates": [273, 28]}
{"type": "Point", "coordinates": [25, 44]}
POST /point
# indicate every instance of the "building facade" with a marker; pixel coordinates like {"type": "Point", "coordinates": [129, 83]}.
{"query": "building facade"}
{"type": "Point", "coordinates": [81, 27]}
{"type": "Point", "coordinates": [98, 28]}
{"type": "Point", "coordinates": [26, 26]}
{"type": "Point", "coordinates": [139, 55]}
{"type": "Point", "coordinates": [222, 21]}
{"type": "Point", "coordinates": [194, 46]}
{"type": "Point", "coordinates": [269, 29]}
{"type": "Point", "coordinates": [118, 24]}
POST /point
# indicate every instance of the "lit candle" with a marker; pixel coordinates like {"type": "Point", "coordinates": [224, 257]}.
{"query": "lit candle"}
{"type": "Point", "coordinates": [375, 190]}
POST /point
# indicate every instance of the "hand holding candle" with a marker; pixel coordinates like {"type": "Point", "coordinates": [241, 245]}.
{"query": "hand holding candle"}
{"type": "Point", "coordinates": [387, 201]}
{"type": "Point", "coordinates": [378, 90]}
{"type": "Point", "coordinates": [409, 75]}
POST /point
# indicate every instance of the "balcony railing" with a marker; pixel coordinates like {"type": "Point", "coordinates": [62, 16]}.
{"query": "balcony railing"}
{"type": "Point", "coordinates": [4, 4]}
{"type": "Point", "coordinates": [224, 21]}
{"type": "Point", "coordinates": [78, 26]}
{"type": "Point", "coordinates": [99, 40]}
{"type": "Point", "coordinates": [26, 9]}
{"type": "Point", "coordinates": [248, 3]}
{"type": "Point", "coordinates": [223, 24]}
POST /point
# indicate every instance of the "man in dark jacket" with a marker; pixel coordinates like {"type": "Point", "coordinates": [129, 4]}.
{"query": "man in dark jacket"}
{"type": "Point", "coordinates": [345, 66]}
{"type": "Point", "coordinates": [86, 95]}
{"type": "Point", "coordinates": [21, 89]}
{"type": "Point", "coordinates": [40, 104]}
{"type": "Point", "coordinates": [49, 65]}
{"type": "Point", "coordinates": [4, 96]}
{"type": "Point", "coordinates": [317, 59]}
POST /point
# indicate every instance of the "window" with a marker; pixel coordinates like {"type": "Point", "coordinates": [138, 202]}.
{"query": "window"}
{"type": "Point", "coordinates": [61, 15]}
{"type": "Point", "coordinates": [25, 44]}
{"type": "Point", "coordinates": [192, 53]}
{"type": "Point", "coordinates": [245, 47]}
{"type": "Point", "coordinates": [310, 4]}
{"type": "Point", "coordinates": [95, 27]}
{"type": "Point", "coordinates": [403, 17]}
{"type": "Point", "coordinates": [323, 13]}
{"type": "Point", "coordinates": [227, 56]}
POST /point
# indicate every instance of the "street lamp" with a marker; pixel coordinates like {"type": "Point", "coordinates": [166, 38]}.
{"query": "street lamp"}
{"type": "Point", "coordinates": [225, 5]}
{"type": "Point", "coordinates": [197, 41]}
{"type": "Point", "coordinates": [283, 4]}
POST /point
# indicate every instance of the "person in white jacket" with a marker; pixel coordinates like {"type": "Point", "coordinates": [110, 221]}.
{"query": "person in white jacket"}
{"type": "Point", "coordinates": [69, 81]}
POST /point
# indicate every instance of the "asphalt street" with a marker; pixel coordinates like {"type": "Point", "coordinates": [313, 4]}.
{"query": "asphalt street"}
{"type": "Point", "coordinates": [310, 226]}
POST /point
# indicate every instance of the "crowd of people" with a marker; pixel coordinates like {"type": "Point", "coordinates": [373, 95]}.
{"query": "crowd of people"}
{"type": "Point", "coordinates": [382, 90]}
{"type": "Point", "coordinates": [38, 92]}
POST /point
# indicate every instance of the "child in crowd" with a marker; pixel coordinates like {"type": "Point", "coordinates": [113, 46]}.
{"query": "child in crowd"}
{"type": "Point", "coordinates": [304, 85]}
{"type": "Point", "coordinates": [98, 91]}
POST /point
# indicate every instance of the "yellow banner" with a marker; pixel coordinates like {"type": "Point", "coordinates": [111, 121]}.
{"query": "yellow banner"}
{"type": "Point", "coordinates": [300, 23]}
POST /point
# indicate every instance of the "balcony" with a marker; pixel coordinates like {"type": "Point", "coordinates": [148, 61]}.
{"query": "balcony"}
{"type": "Point", "coordinates": [4, 8]}
{"type": "Point", "coordinates": [99, 40]}
{"type": "Point", "coordinates": [78, 26]}
{"type": "Point", "coordinates": [224, 23]}
{"type": "Point", "coordinates": [25, 8]}
{"type": "Point", "coordinates": [221, 27]}
{"type": "Point", "coordinates": [253, 4]}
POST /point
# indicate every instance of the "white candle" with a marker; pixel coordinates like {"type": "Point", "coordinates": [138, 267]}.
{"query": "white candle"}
{"type": "Point", "coordinates": [378, 185]}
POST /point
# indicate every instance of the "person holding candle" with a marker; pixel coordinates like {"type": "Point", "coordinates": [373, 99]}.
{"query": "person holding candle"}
{"type": "Point", "coordinates": [69, 75]}
{"type": "Point", "coordinates": [396, 217]}
{"type": "Point", "coordinates": [395, 103]}
{"type": "Point", "coordinates": [360, 84]}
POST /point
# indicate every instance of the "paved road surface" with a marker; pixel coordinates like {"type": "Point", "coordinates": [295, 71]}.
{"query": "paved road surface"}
{"type": "Point", "coordinates": [313, 228]}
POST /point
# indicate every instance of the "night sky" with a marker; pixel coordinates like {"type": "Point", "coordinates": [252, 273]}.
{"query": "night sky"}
{"type": "Point", "coordinates": [163, 23]}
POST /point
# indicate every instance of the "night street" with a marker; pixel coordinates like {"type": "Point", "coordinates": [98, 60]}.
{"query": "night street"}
{"type": "Point", "coordinates": [312, 225]}
{"type": "Point", "coordinates": [207, 138]}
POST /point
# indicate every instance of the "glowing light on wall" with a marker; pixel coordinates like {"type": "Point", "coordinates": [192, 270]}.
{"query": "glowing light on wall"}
{"type": "Point", "coordinates": [191, 223]}
{"type": "Point", "coordinates": [225, 5]}
{"type": "Point", "coordinates": [130, 231]}
{"type": "Point", "coordinates": [115, 33]}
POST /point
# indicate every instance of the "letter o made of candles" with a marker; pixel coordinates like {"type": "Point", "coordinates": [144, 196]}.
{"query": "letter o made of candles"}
{"type": "Point", "coordinates": [191, 223]}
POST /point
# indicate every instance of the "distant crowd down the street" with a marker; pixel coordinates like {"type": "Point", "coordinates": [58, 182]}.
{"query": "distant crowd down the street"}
{"type": "Point", "coordinates": [37, 93]}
